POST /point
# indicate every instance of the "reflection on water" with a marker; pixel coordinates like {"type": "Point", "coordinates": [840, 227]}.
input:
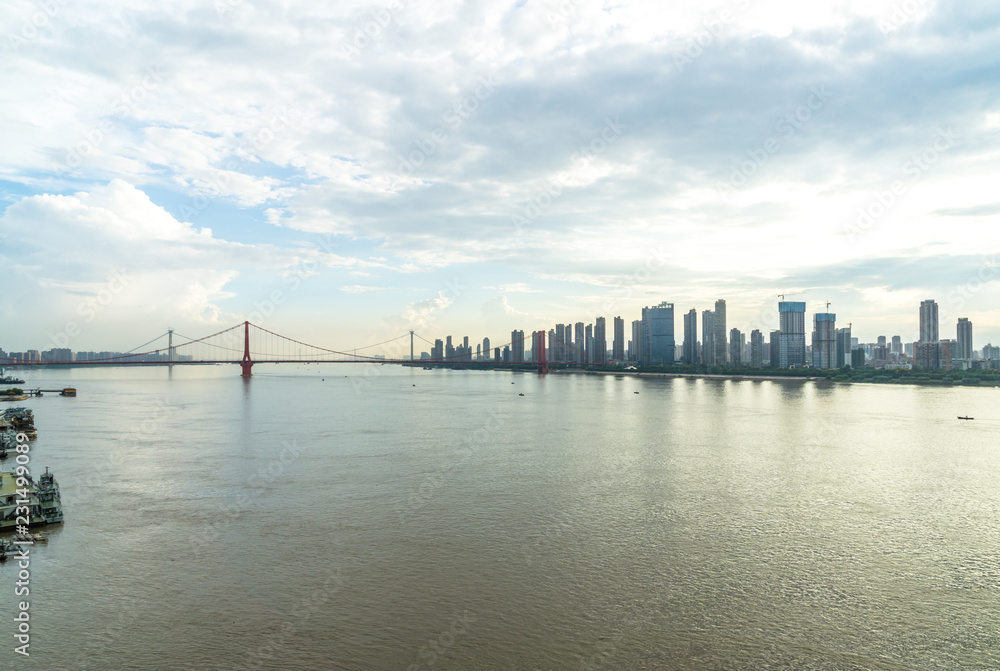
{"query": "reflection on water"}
{"type": "Point", "coordinates": [304, 520]}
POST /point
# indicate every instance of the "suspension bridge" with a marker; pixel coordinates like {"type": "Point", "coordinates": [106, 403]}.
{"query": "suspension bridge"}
{"type": "Point", "coordinates": [247, 344]}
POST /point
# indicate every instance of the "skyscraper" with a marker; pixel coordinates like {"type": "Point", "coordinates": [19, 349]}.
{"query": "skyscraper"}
{"type": "Point", "coordinates": [658, 334]}
{"type": "Point", "coordinates": [589, 344]}
{"type": "Point", "coordinates": [720, 332]}
{"type": "Point", "coordinates": [897, 345]}
{"type": "Point", "coordinates": [618, 344]}
{"type": "Point", "coordinates": [600, 342]}
{"type": "Point", "coordinates": [559, 345]}
{"type": "Point", "coordinates": [774, 348]}
{"type": "Point", "coordinates": [580, 343]}
{"type": "Point", "coordinates": [735, 347]}
{"type": "Point", "coordinates": [517, 346]}
{"type": "Point", "coordinates": [690, 352]}
{"type": "Point", "coordinates": [964, 348]}
{"type": "Point", "coordinates": [756, 348]}
{"type": "Point", "coordinates": [824, 340]}
{"type": "Point", "coordinates": [708, 338]}
{"type": "Point", "coordinates": [486, 348]}
{"type": "Point", "coordinates": [843, 347]}
{"type": "Point", "coordinates": [449, 349]}
{"type": "Point", "coordinates": [929, 321]}
{"type": "Point", "coordinates": [637, 353]}
{"type": "Point", "coordinates": [792, 343]}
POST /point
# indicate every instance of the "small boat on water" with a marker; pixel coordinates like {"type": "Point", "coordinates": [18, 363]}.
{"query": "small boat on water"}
{"type": "Point", "coordinates": [966, 417]}
{"type": "Point", "coordinates": [9, 379]}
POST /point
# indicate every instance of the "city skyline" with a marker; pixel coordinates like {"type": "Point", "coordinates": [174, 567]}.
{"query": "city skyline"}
{"type": "Point", "coordinates": [656, 341]}
{"type": "Point", "coordinates": [453, 170]}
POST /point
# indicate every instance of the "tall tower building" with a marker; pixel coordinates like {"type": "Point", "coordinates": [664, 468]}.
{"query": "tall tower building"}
{"type": "Point", "coordinates": [756, 348]}
{"type": "Point", "coordinates": [517, 346]}
{"type": "Point", "coordinates": [637, 353]}
{"type": "Point", "coordinates": [824, 340]}
{"type": "Point", "coordinates": [600, 342]}
{"type": "Point", "coordinates": [580, 343]}
{"type": "Point", "coordinates": [486, 348]}
{"type": "Point", "coordinates": [658, 334]}
{"type": "Point", "coordinates": [449, 349]}
{"type": "Point", "coordinates": [774, 348]}
{"type": "Point", "coordinates": [897, 346]}
{"type": "Point", "coordinates": [708, 338]}
{"type": "Point", "coordinates": [690, 352]}
{"type": "Point", "coordinates": [589, 344]}
{"type": "Point", "coordinates": [559, 345]}
{"type": "Point", "coordinates": [735, 347]}
{"type": "Point", "coordinates": [618, 344]}
{"type": "Point", "coordinates": [929, 321]}
{"type": "Point", "coordinates": [720, 332]}
{"type": "Point", "coordinates": [964, 339]}
{"type": "Point", "coordinates": [843, 347]}
{"type": "Point", "coordinates": [792, 343]}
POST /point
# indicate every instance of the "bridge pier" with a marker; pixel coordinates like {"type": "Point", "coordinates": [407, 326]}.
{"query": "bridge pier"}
{"type": "Point", "coordinates": [246, 364]}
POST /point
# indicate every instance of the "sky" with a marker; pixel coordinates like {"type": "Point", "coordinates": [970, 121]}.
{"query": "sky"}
{"type": "Point", "coordinates": [343, 172]}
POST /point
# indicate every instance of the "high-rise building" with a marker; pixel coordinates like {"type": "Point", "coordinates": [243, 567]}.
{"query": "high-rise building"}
{"type": "Point", "coordinates": [690, 351]}
{"type": "Point", "coordinates": [792, 341]}
{"type": "Point", "coordinates": [486, 348]}
{"type": "Point", "coordinates": [658, 335]}
{"type": "Point", "coordinates": [600, 342]}
{"type": "Point", "coordinates": [517, 346]}
{"type": "Point", "coordinates": [560, 343]}
{"type": "Point", "coordinates": [735, 347]}
{"type": "Point", "coordinates": [437, 352]}
{"type": "Point", "coordinates": [580, 343]}
{"type": "Point", "coordinates": [857, 358]}
{"type": "Point", "coordinates": [618, 344]}
{"type": "Point", "coordinates": [843, 347]}
{"type": "Point", "coordinates": [708, 338]}
{"type": "Point", "coordinates": [637, 353]}
{"type": "Point", "coordinates": [720, 332]}
{"type": "Point", "coordinates": [897, 346]}
{"type": "Point", "coordinates": [774, 348]}
{"type": "Point", "coordinates": [496, 355]}
{"type": "Point", "coordinates": [506, 353]}
{"type": "Point", "coordinates": [756, 348]}
{"type": "Point", "coordinates": [824, 340]}
{"type": "Point", "coordinates": [929, 321]}
{"type": "Point", "coordinates": [964, 341]}
{"type": "Point", "coordinates": [449, 349]}
{"type": "Point", "coordinates": [589, 344]}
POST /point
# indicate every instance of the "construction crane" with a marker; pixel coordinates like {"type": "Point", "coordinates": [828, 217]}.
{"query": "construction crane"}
{"type": "Point", "coordinates": [782, 295]}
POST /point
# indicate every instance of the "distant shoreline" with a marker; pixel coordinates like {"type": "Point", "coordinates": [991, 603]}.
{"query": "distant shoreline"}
{"type": "Point", "coordinates": [716, 376]}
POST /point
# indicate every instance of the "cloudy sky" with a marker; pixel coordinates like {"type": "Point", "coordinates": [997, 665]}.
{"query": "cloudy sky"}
{"type": "Point", "coordinates": [342, 172]}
